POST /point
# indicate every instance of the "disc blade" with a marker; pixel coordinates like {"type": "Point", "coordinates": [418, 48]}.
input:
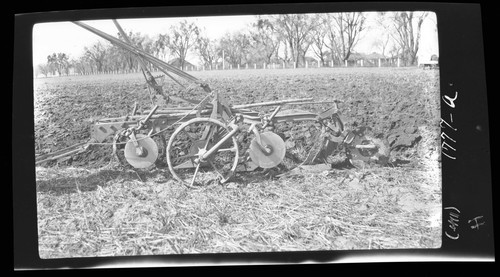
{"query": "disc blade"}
{"type": "Point", "coordinates": [150, 152]}
{"type": "Point", "coordinates": [272, 159]}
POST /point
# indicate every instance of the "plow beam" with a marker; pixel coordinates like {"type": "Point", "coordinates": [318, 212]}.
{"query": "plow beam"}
{"type": "Point", "coordinates": [271, 103]}
{"type": "Point", "coordinates": [66, 152]}
{"type": "Point", "coordinates": [163, 66]}
{"type": "Point", "coordinates": [107, 127]}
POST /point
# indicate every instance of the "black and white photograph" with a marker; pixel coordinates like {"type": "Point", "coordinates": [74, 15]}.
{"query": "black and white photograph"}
{"type": "Point", "coordinates": [242, 133]}
{"type": "Point", "coordinates": [288, 132]}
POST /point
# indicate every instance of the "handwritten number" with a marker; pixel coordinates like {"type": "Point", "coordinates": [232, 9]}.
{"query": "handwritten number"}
{"type": "Point", "coordinates": [447, 124]}
{"type": "Point", "coordinates": [453, 219]}
{"type": "Point", "coordinates": [445, 136]}
{"type": "Point", "coordinates": [451, 157]}
{"type": "Point", "coordinates": [452, 237]}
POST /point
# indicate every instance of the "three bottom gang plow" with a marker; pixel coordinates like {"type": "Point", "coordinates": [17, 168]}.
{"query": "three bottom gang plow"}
{"type": "Point", "coordinates": [203, 142]}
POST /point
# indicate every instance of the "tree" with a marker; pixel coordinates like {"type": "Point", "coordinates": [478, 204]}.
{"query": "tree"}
{"type": "Point", "coordinates": [381, 44]}
{"type": "Point", "coordinates": [182, 38]}
{"type": "Point", "coordinates": [115, 59]}
{"type": "Point", "coordinates": [296, 31]}
{"type": "Point", "coordinates": [236, 47]}
{"type": "Point", "coordinates": [52, 63]}
{"type": "Point", "coordinates": [96, 55]}
{"type": "Point", "coordinates": [319, 42]}
{"type": "Point", "coordinates": [406, 32]}
{"type": "Point", "coordinates": [160, 45]}
{"type": "Point", "coordinates": [127, 59]}
{"type": "Point", "coordinates": [264, 41]}
{"type": "Point", "coordinates": [59, 62]}
{"type": "Point", "coordinates": [345, 32]}
{"type": "Point", "coordinates": [63, 62]}
{"type": "Point", "coordinates": [208, 50]}
{"type": "Point", "coordinates": [43, 69]}
{"type": "Point", "coordinates": [395, 51]}
{"type": "Point", "coordinates": [384, 41]}
{"type": "Point", "coordinates": [332, 36]}
{"type": "Point", "coordinates": [79, 66]}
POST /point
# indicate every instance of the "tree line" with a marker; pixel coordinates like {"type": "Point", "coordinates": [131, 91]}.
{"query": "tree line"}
{"type": "Point", "coordinates": [284, 38]}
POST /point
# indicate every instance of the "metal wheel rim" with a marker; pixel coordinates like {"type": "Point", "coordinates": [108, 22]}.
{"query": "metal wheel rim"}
{"type": "Point", "coordinates": [172, 139]}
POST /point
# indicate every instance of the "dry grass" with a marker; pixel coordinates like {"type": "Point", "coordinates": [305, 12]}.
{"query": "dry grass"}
{"type": "Point", "coordinates": [114, 213]}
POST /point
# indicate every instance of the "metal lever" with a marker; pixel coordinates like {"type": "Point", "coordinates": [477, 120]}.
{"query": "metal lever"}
{"type": "Point", "coordinates": [263, 147]}
{"type": "Point", "coordinates": [140, 151]}
{"type": "Point", "coordinates": [146, 119]}
{"type": "Point", "coordinates": [268, 120]}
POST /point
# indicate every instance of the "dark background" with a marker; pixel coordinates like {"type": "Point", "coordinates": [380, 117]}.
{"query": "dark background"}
{"type": "Point", "coordinates": [467, 182]}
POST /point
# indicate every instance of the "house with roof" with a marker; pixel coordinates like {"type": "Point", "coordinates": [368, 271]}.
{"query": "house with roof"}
{"type": "Point", "coordinates": [361, 59]}
{"type": "Point", "coordinates": [177, 63]}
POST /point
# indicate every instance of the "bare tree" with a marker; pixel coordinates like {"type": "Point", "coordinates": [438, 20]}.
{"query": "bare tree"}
{"type": "Point", "coordinates": [395, 51]}
{"type": "Point", "coordinates": [385, 40]}
{"type": "Point", "coordinates": [59, 62]}
{"type": "Point", "coordinates": [333, 37]}
{"type": "Point", "coordinates": [345, 32]}
{"type": "Point", "coordinates": [115, 59]}
{"type": "Point", "coordinates": [43, 69]}
{"type": "Point", "coordinates": [265, 43]}
{"type": "Point", "coordinates": [128, 59]}
{"type": "Point", "coordinates": [78, 65]}
{"type": "Point", "coordinates": [96, 54]}
{"type": "Point", "coordinates": [319, 42]}
{"type": "Point", "coordinates": [296, 30]}
{"type": "Point", "coordinates": [182, 38]}
{"type": "Point", "coordinates": [236, 47]}
{"type": "Point", "coordinates": [160, 44]}
{"type": "Point", "coordinates": [381, 43]}
{"type": "Point", "coordinates": [406, 33]}
{"type": "Point", "coordinates": [207, 49]}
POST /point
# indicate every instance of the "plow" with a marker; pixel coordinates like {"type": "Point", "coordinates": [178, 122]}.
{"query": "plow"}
{"type": "Point", "coordinates": [211, 139]}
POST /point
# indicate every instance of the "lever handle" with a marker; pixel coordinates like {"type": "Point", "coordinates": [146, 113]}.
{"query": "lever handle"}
{"type": "Point", "coordinates": [272, 116]}
{"type": "Point", "coordinates": [150, 114]}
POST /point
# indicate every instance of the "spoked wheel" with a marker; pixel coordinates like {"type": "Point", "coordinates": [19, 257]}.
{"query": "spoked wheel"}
{"type": "Point", "coordinates": [189, 143]}
{"type": "Point", "coordinates": [119, 142]}
{"type": "Point", "coordinates": [366, 150]}
{"type": "Point", "coordinates": [161, 141]}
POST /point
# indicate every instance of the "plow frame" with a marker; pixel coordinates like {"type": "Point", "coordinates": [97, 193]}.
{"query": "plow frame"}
{"type": "Point", "coordinates": [224, 118]}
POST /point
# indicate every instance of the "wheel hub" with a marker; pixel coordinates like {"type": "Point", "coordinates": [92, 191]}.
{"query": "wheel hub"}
{"type": "Point", "coordinates": [198, 149]}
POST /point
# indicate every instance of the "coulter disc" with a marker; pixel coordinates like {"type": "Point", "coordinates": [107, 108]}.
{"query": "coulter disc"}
{"type": "Point", "coordinates": [276, 155]}
{"type": "Point", "coordinates": [149, 155]}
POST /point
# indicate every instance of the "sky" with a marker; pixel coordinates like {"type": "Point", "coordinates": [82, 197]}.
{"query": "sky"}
{"type": "Point", "coordinates": [428, 40]}
{"type": "Point", "coordinates": [66, 37]}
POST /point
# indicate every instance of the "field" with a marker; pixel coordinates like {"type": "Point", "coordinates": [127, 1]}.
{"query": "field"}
{"type": "Point", "coordinates": [88, 206]}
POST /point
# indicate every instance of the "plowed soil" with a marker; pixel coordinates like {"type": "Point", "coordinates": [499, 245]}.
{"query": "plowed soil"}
{"type": "Point", "coordinates": [397, 206]}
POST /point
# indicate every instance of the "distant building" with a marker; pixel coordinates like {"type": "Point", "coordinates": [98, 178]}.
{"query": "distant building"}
{"type": "Point", "coordinates": [361, 59]}
{"type": "Point", "coordinates": [355, 59]}
{"type": "Point", "coordinates": [177, 63]}
{"type": "Point", "coordinates": [311, 62]}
